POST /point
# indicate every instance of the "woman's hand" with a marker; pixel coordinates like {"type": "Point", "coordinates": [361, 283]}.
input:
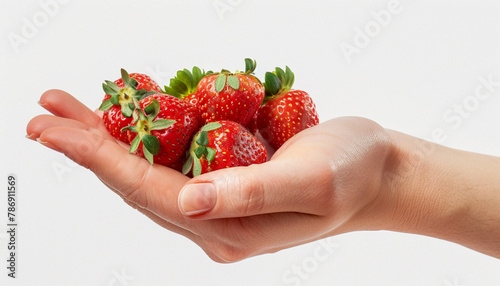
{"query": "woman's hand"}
{"type": "Point", "coordinates": [313, 187]}
{"type": "Point", "coordinates": [343, 175]}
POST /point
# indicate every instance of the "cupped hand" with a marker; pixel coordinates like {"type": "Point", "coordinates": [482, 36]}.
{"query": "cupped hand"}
{"type": "Point", "coordinates": [324, 181]}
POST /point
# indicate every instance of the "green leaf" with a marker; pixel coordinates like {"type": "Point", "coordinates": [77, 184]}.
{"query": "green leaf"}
{"type": "Point", "coordinates": [107, 104]}
{"type": "Point", "coordinates": [190, 75]}
{"type": "Point", "coordinates": [210, 154]}
{"type": "Point", "coordinates": [138, 94]}
{"type": "Point", "coordinates": [200, 151]}
{"type": "Point", "coordinates": [135, 144]}
{"type": "Point", "coordinates": [146, 94]}
{"type": "Point", "coordinates": [211, 126]}
{"type": "Point", "coordinates": [202, 139]}
{"type": "Point", "coordinates": [132, 128]}
{"type": "Point", "coordinates": [197, 75]}
{"type": "Point", "coordinates": [162, 124]}
{"type": "Point", "coordinates": [125, 77]}
{"type": "Point", "coordinates": [196, 167]}
{"type": "Point", "coordinates": [281, 74]}
{"type": "Point", "coordinates": [110, 90]}
{"type": "Point", "coordinates": [184, 78]}
{"type": "Point", "coordinates": [153, 108]}
{"type": "Point", "coordinates": [272, 84]}
{"type": "Point", "coordinates": [178, 86]}
{"type": "Point", "coordinates": [290, 77]}
{"type": "Point", "coordinates": [233, 82]}
{"type": "Point", "coordinates": [250, 65]}
{"type": "Point", "coordinates": [148, 155]}
{"type": "Point", "coordinates": [151, 143]}
{"type": "Point", "coordinates": [115, 99]}
{"type": "Point", "coordinates": [141, 115]}
{"type": "Point", "coordinates": [127, 111]}
{"type": "Point", "coordinates": [133, 83]}
{"type": "Point", "coordinates": [135, 116]}
{"type": "Point", "coordinates": [220, 82]}
{"type": "Point", "coordinates": [172, 92]}
{"type": "Point", "coordinates": [112, 85]}
{"type": "Point", "coordinates": [187, 165]}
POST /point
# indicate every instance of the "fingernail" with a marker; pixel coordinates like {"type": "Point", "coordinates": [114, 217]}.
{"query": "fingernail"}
{"type": "Point", "coordinates": [48, 144]}
{"type": "Point", "coordinates": [196, 199]}
{"type": "Point", "coordinates": [31, 136]}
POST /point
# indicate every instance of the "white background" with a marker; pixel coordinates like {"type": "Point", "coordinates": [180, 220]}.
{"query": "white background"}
{"type": "Point", "coordinates": [413, 69]}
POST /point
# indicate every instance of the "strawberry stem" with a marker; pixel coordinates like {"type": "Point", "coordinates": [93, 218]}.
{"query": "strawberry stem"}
{"type": "Point", "coordinates": [123, 96]}
{"type": "Point", "coordinates": [186, 82]}
{"type": "Point", "coordinates": [143, 127]}
{"type": "Point", "coordinates": [199, 150]}
{"type": "Point", "coordinates": [278, 83]}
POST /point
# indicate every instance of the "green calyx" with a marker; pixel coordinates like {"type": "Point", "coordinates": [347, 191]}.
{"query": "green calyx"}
{"type": "Point", "coordinates": [199, 149]}
{"type": "Point", "coordinates": [185, 82]}
{"type": "Point", "coordinates": [143, 124]}
{"type": "Point", "coordinates": [278, 82]}
{"type": "Point", "coordinates": [226, 76]}
{"type": "Point", "coordinates": [123, 97]}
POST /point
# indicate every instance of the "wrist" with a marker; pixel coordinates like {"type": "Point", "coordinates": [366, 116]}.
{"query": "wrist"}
{"type": "Point", "coordinates": [440, 192]}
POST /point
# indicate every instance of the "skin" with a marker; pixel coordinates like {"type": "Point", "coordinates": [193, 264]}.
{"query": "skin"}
{"type": "Point", "coordinates": [346, 174]}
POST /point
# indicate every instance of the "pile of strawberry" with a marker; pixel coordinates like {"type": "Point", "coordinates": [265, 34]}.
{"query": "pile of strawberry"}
{"type": "Point", "coordinates": [205, 121]}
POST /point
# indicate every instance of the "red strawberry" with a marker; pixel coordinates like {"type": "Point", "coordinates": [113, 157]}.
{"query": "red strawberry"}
{"type": "Point", "coordinates": [252, 125]}
{"type": "Point", "coordinates": [118, 101]}
{"type": "Point", "coordinates": [285, 112]}
{"type": "Point", "coordinates": [223, 144]}
{"type": "Point", "coordinates": [164, 125]}
{"type": "Point", "coordinates": [230, 96]}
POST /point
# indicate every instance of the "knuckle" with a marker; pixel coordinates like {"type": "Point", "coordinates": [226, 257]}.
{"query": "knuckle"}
{"type": "Point", "coordinates": [138, 192]}
{"type": "Point", "coordinates": [246, 193]}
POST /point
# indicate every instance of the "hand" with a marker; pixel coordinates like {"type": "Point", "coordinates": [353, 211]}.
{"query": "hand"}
{"type": "Point", "coordinates": [323, 181]}
{"type": "Point", "coordinates": [343, 175]}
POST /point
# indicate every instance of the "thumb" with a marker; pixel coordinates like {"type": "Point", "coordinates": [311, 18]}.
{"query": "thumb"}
{"type": "Point", "coordinates": [271, 187]}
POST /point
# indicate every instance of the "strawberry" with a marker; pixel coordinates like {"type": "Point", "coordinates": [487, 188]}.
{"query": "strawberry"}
{"type": "Point", "coordinates": [285, 112]}
{"type": "Point", "coordinates": [230, 96]}
{"type": "Point", "coordinates": [118, 101]}
{"type": "Point", "coordinates": [223, 144]}
{"type": "Point", "coordinates": [162, 128]}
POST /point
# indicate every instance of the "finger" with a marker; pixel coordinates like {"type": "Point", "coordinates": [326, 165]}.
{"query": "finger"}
{"type": "Point", "coordinates": [275, 186]}
{"type": "Point", "coordinates": [42, 122]}
{"type": "Point", "coordinates": [62, 104]}
{"type": "Point", "coordinates": [152, 187]}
